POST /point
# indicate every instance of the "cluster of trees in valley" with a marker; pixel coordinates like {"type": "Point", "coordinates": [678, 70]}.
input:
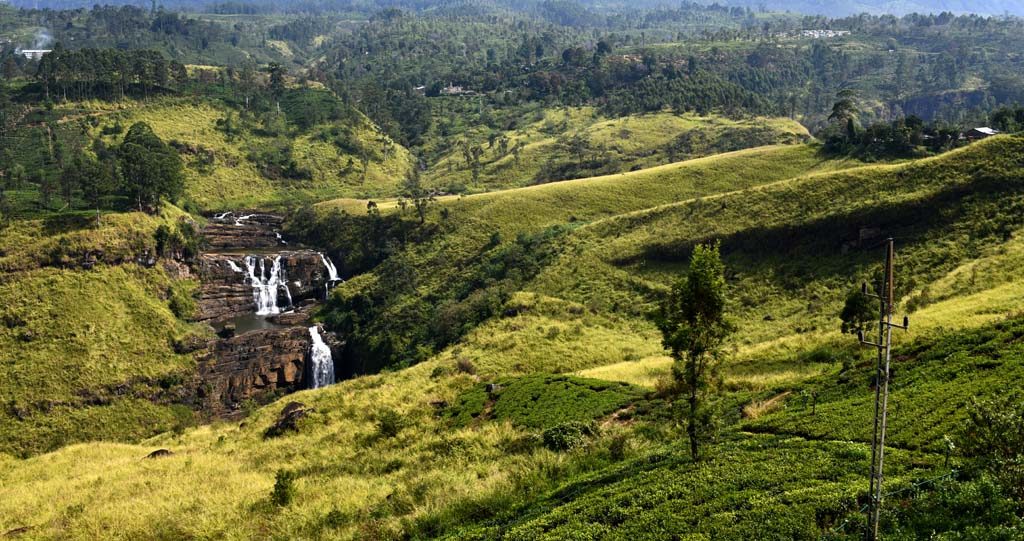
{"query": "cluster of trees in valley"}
{"type": "Point", "coordinates": [140, 173]}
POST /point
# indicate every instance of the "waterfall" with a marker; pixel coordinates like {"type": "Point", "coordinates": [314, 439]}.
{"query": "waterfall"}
{"type": "Point", "coordinates": [332, 274]}
{"type": "Point", "coordinates": [265, 287]}
{"type": "Point", "coordinates": [234, 266]}
{"type": "Point", "coordinates": [332, 271]}
{"type": "Point", "coordinates": [321, 363]}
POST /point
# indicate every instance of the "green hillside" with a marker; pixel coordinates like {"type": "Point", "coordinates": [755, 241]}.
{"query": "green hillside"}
{"type": "Point", "coordinates": [234, 178]}
{"type": "Point", "coordinates": [89, 354]}
{"type": "Point", "coordinates": [509, 234]}
{"type": "Point", "coordinates": [553, 144]}
{"type": "Point", "coordinates": [427, 451]}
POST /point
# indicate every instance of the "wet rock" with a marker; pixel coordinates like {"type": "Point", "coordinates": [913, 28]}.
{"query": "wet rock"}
{"type": "Point", "coordinates": [160, 453]}
{"type": "Point", "coordinates": [226, 293]}
{"type": "Point", "coordinates": [288, 420]}
{"type": "Point", "coordinates": [297, 317]}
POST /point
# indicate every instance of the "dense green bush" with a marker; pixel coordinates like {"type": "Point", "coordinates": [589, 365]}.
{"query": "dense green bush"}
{"type": "Point", "coordinates": [568, 436]}
{"type": "Point", "coordinates": [995, 436]}
{"type": "Point", "coordinates": [389, 423]}
{"type": "Point", "coordinates": [181, 298]}
{"type": "Point", "coordinates": [543, 400]}
{"type": "Point", "coordinates": [284, 488]}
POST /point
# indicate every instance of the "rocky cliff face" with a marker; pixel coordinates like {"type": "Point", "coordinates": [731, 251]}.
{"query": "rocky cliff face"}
{"type": "Point", "coordinates": [252, 366]}
{"type": "Point", "coordinates": [224, 293]}
{"type": "Point", "coordinates": [245, 273]}
{"type": "Point", "coordinates": [233, 231]}
{"type": "Point", "coordinates": [227, 291]}
{"type": "Point", "coordinates": [258, 365]}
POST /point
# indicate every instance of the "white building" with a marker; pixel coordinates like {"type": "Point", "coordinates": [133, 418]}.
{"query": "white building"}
{"type": "Point", "coordinates": [34, 54]}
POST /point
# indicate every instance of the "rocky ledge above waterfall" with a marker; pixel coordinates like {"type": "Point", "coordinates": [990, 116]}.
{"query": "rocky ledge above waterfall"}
{"type": "Point", "coordinates": [227, 289]}
{"type": "Point", "coordinates": [243, 231]}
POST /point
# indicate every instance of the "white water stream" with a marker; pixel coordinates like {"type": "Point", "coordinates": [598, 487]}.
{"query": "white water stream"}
{"type": "Point", "coordinates": [321, 362]}
{"type": "Point", "coordinates": [266, 285]}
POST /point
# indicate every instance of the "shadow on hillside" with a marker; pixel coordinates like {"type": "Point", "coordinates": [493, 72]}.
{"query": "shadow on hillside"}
{"type": "Point", "coordinates": [988, 210]}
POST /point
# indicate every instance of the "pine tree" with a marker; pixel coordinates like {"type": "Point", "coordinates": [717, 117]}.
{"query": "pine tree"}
{"type": "Point", "coordinates": [694, 327]}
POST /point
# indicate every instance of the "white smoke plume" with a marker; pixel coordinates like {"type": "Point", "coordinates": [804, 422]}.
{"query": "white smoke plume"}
{"type": "Point", "coordinates": [43, 39]}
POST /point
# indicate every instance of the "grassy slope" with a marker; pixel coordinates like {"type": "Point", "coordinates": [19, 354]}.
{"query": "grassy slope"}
{"type": "Point", "coordinates": [535, 207]}
{"type": "Point", "coordinates": [638, 140]}
{"type": "Point", "coordinates": [355, 484]}
{"type": "Point", "coordinates": [788, 258]}
{"type": "Point", "coordinates": [234, 181]}
{"type": "Point", "coordinates": [70, 337]}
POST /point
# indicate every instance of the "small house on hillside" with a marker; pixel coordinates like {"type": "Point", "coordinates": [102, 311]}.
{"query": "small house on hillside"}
{"type": "Point", "coordinates": [34, 54]}
{"type": "Point", "coordinates": [453, 90]}
{"type": "Point", "coordinates": [980, 133]}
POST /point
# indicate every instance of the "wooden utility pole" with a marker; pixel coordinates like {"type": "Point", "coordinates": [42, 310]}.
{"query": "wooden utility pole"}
{"type": "Point", "coordinates": [887, 301]}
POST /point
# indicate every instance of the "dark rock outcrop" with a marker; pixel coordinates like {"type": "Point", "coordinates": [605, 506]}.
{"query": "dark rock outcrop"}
{"type": "Point", "coordinates": [257, 365]}
{"type": "Point", "coordinates": [227, 293]}
{"type": "Point", "coordinates": [160, 453]}
{"type": "Point", "coordinates": [298, 317]}
{"type": "Point", "coordinates": [288, 420]}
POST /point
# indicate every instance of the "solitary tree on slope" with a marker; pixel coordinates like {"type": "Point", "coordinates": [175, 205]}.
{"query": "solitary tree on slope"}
{"type": "Point", "coordinates": [694, 327]}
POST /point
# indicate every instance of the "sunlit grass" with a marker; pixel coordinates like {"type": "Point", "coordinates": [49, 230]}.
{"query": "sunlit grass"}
{"type": "Point", "coordinates": [634, 141]}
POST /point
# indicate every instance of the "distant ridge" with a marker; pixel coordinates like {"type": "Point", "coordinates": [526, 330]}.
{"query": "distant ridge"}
{"type": "Point", "coordinates": [878, 7]}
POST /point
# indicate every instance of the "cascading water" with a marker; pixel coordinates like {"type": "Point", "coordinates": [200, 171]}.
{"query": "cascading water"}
{"type": "Point", "coordinates": [332, 271]}
{"type": "Point", "coordinates": [321, 361]}
{"type": "Point", "coordinates": [332, 274]}
{"type": "Point", "coordinates": [265, 287]}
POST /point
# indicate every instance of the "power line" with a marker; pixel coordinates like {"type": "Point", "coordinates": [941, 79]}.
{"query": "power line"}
{"type": "Point", "coordinates": [884, 346]}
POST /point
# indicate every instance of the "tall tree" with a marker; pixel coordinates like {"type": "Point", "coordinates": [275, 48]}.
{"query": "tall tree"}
{"type": "Point", "coordinates": [151, 169]}
{"type": "Point", "coordinates": [844, 111]}
{"type": "Point", "coordinates": [694, 327]}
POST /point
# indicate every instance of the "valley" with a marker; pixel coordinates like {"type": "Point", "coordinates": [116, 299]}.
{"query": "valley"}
{"type": "Point", "coordinates": [481, 270]}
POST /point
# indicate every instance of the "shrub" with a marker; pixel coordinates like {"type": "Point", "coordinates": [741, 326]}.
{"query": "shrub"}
{"type": "Point", "coordinates": [618, 447]}
{"type": "Point", "coordinates": [336, 519]}
{"type": "Point", "coordinates": [465, 366]}
{"type": "Point", "coordinates": [389, 423]}
{"type": "Point", "coordinates": [568, 436]}
{"type": "Point", "coordinates": [181, 300]}
{"type": "Point", "coordinates": [995, 435]}
{"type": "Point", "coordinates": [284, 488]}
